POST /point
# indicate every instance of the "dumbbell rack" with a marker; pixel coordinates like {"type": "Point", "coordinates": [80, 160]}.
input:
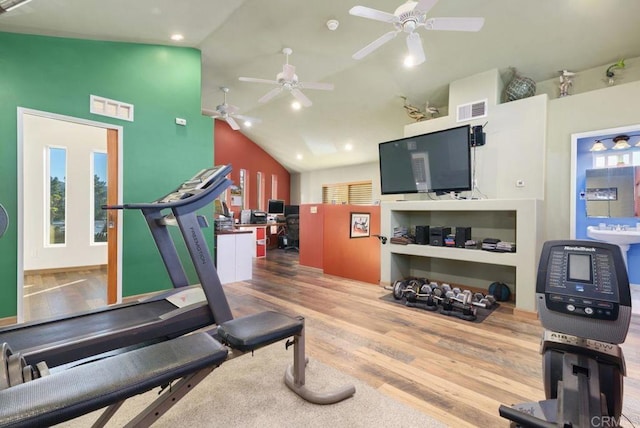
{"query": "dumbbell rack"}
{"type": "Point", "coordinates": [431, 296]}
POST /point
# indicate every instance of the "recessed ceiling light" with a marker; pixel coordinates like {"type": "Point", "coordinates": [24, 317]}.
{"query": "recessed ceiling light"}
{"type": "Point", "coordinates": [296, 105]}
{"type": "Point", "coordinates": [408, 61]}
{"type": "Point", "coordinates": [348, 147]}
{"type": "Point", "coordinates": [247, 123]}
{"type": "Point", "coordinates": [299, 156]}
{"type": "Point", "coordinates": [177, 37]}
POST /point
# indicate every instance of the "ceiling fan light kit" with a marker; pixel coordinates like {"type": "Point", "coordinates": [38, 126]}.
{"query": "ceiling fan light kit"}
{"type": "Point", "coordinates": [407, 18]}
{"type": "Point", "coordinates": [228, 113]}
{"type": "Point", "coordinates": [288, 79]}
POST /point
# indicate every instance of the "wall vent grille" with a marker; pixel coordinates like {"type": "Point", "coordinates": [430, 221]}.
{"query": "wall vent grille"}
{"type": "Point", "coordinates": [472, 110]}
{"type": "Point", "coordinates": [111, 108]}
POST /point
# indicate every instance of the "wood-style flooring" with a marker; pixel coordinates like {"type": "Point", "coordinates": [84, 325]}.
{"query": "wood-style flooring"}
{"type": "Point", "coordinates": [455, 371]}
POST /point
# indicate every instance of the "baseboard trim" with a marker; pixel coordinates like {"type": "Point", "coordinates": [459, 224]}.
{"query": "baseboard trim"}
{"type": "Point", "coordinates": [8, 321]}
{"type": "Point", "coordinates": [64, 269]}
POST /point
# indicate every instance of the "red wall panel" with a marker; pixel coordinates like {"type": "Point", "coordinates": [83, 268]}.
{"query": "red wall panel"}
{"type": "Point", "coordinates": [311, 235]}
{"type": "Point", "coordinates": [233, 147]}
{"type": "Point", "coordinates": [354, 258]}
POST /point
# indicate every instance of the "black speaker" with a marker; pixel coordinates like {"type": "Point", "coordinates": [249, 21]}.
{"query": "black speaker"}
{"type": "Point", "coordinates": [437, 235]}
{"type": "Point", "coordinates": [422, 235]}
{"type": "Point", "coordinates": [463, 234]}
{"type": "Point", "coordinates": [477, 136]}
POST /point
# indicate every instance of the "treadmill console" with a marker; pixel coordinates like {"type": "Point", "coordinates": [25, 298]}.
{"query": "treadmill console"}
{"type": "Point", "coordinates": [192, 186]}
{"type": "Point", "coordinates": [580, 281]}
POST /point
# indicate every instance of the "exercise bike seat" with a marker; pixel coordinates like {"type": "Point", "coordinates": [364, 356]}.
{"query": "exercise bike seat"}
{"type": "Point", "coordinates": [255, 331]}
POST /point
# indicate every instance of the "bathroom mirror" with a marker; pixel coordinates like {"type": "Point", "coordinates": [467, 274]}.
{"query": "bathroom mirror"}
{"type": "Point", "coordinates": [613, 192]}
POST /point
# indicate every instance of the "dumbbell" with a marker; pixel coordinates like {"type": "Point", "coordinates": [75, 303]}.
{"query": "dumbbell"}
{"type": "Point", "coordinates": [14, 369]}
{"type": "Point", "coordinates": [483, 301]}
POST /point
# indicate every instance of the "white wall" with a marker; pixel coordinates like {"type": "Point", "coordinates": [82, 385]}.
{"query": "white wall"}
{"type": "Point", "coordinates": [609, 107]}
{"type": "Point", "coordinates": [80, 141]}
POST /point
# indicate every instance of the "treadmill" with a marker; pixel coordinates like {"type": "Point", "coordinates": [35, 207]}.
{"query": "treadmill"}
{"type": "Point", "coordinates": [584, 303]}
{"type": "Point", "coordinates": [167, 315]}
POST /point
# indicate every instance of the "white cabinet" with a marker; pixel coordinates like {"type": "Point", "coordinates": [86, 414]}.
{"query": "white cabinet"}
{"type": "Point", "coordinates": [514, 220]}
{"type": "Point", "coordinates": [234, 256]}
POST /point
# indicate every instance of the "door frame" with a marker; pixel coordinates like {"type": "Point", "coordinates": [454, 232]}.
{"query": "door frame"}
{"type": "Point", "coordinates": [20, 219]}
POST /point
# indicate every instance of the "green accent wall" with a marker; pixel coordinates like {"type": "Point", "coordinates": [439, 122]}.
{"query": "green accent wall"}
{"type": "Point", "coordinates": [57, 75]}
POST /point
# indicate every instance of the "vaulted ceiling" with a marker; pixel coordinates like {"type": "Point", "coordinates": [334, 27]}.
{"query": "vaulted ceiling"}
{"type": "Point", "coordinates": [246, 38]}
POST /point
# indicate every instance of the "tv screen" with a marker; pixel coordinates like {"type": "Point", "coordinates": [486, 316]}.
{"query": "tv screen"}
{"type": "Point", "coordinates": [275, 206]}
{"type": "Point", "coordinates": [435, 162]}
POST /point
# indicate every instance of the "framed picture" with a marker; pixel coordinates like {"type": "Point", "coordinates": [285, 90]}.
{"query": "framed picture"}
{"type": "Point", "coordinates": [360, 225]}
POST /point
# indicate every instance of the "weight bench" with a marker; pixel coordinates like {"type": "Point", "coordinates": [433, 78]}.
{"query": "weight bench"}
{"type": "Point", "coordinates": [79, 390]}
{"type": "Point", "coordinates": [252, 332]}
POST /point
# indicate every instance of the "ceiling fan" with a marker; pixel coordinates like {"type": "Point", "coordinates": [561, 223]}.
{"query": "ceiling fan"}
{"type": "Point", "coordinates": [407, 18]}
{"type": "Point", "coordinates": [227, 112]}
{"type": "Point", "coordinates": [288, 79]}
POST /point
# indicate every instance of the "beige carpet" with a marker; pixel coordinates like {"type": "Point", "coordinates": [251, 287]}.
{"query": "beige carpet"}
{"type": "Point", "coordinates": [250, 392]}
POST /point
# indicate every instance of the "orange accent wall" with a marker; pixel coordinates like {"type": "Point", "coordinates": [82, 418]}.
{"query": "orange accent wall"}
{"type": "Point", "coordinates": [354, 258]}
{"type": "Point", "coordinates": [311, 235]}
{"type": "Point", "coordinates": [233, 147]}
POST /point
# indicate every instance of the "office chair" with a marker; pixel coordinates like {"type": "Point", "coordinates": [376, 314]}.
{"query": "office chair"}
{"type": "Point", "coordinates": [293, 232]}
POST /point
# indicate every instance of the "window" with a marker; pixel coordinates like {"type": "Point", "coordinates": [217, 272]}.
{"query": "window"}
{"type": "Point", "coordinates": [359, 193]}
{"type": "Point", "coordinates": [56, 196]}
{"type": "Point", "coordinates": [626, 158]}
{"type": "Point", "coordinates": [274, 186]}
{"type": "Point", "coordinates": [99, 197]}
{"type": "Point", "coordinates": [244, 188]}
{"type": "Point", "coordinates": [261, 201]}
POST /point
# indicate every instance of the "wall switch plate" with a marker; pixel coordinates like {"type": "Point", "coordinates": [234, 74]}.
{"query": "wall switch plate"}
{"type": "Point", "coordinates": [519, 183]}
{"type": "Point", "coordinates": [180, 121]}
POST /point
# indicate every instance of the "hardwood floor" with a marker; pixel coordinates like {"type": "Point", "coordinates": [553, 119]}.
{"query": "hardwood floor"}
{"type": "Point", "coordinates": [455, 371]}
{"type": "Point", "coordinates": [53, 294]}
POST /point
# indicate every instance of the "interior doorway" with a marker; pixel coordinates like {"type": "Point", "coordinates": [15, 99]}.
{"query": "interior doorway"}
{"type": "Point", "coordinates": [68, 167]}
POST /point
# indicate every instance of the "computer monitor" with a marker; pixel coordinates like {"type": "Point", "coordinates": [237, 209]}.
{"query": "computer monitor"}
{"type": "Point", "coordinates": [275, 207]}
{"type": "Point", "coordinates": [291, 209]}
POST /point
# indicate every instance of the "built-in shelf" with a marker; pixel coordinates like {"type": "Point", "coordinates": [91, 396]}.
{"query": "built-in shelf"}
{"type": "Point", "coordinates": [515, 220]}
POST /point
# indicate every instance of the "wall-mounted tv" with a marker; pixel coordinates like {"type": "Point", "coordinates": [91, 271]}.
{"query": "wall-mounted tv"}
{"type": "Point", "coordinates": [435, 162]}
{"type": "Point", "coordinates": [275, 206]}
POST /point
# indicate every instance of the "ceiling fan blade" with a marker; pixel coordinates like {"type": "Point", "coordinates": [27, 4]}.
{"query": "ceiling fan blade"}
{"type": "Point", "coordinates": [272, 93]}
{"type": "Point", "coordinates": [302, 98]}
{"type": "Point", "coordinates": [232, 123]}
{"type": "Point", "coordinates": [254, 80]}
{"type": "Point", "coordinates": [247, 118]}
{"type": "Point", "coordinates": [210, 113]}
{"type": "Point", "coordinates": [374, 45]}
{"type": "Point", "coordinates": [316, 85]}
{"type": "Point", "coordinates": [369, 13]}
{"type": "Point", "coordinates": [414, 43]}
{"type": "Point", "coordinates": [425, 5]}
{"type": "Point", "coordinates": [288, 72]}
{"type": "Point", "coordinates": [231, 109]}
{"type": "Point", "coordinates": [454, 24]}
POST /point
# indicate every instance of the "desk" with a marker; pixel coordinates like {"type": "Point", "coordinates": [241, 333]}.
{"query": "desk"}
{"type": "Point", "coordinates": [234, 254]}
{"type": "Point", "coordinates": [259, 232]}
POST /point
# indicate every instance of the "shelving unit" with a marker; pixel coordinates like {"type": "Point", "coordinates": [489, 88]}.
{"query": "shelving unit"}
{"type": "Point", "coordinates": [515, 220]}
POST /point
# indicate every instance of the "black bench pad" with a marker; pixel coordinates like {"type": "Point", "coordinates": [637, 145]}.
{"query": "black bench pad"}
{"type": "Point", "coordinates": [255, 331]}
{"type": "Point", "coordinates": [82, 389]}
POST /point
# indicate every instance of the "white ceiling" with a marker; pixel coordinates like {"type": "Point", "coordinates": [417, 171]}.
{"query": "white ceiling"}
{"type": "Point", "coordinates": [246, 38]}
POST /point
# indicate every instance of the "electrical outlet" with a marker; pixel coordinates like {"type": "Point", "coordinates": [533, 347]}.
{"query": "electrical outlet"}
{"type": "Point", "coordinates": [520, 183]}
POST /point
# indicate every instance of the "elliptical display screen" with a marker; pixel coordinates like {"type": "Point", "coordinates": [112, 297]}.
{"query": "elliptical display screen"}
{"type": "Point", "coordinates": [582, 280]}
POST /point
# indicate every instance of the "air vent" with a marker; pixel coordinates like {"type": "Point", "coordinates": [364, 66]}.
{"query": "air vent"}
{"type": "Point", "coordinates": [473, 110]}
{"type": "Point", "coordinates": [111, 108]}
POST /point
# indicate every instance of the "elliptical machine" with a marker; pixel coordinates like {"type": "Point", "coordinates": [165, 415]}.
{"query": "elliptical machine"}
{"type": "Point", "coordinates": [584, 304]}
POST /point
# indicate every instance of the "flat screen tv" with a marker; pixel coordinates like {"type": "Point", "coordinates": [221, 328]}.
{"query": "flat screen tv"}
{"type": "Point", "coordinates": [275, 206]}
{"type": "Point", "coordinates": [437, 162]}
